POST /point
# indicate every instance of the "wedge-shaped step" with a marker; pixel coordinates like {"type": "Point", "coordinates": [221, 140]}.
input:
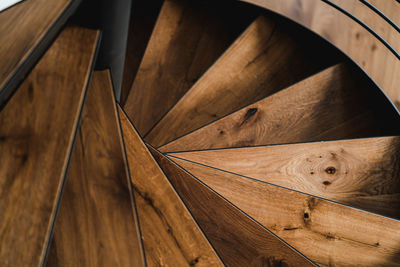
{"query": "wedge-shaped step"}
{"type": "Point", "coordinates": [143, 18]}
{"type": "Point", "coordinates": [326, 232]}
{"type": "Point", "coordinates": [239, 239]}
{"type": "Point", "coordinates": [96, 225]}
{"type": "Point", "coordinates": [25, 31]}
{"type": "Point", "coordinates": [363, 172]}
{"type": "Point", "coordinates": [326, 106]}
{"type": "Point", "coordinates": [188, 37]}
{"type": "Point", "coordinates": [37, 130]}
{"type": "Point", "coordinates": [170, 234]}
{"type": "Point", "coordinates": [263, 60]}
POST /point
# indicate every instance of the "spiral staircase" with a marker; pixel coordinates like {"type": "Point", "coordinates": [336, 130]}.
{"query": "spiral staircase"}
{"type": "Point", "coordinates": [246, 133]}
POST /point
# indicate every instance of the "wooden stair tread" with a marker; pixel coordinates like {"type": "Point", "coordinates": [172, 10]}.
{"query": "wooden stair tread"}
{"type": "Point", "coordinates": [256, 65]}
{"type": "Point", "coordinates": [96, 225]}
{"type": "Point", "coordinates": [143, 18]}
{"type": "Point", "coordinates": [361, 172]}
{"type": "Point", "coordinates": [38, 127]}
{"type": "Point", "coordinates": [239, 240]}
{"type": "Point", "coordinates": [187, 38]}
{"type": "Point", "coordinates": [326, 232]}
{"type": "Point", "coordinates": [25, 31]}
{"type": "Point", "coordinates": [170, 234]}
{"type": "Point", "coordinates": [321, 107]}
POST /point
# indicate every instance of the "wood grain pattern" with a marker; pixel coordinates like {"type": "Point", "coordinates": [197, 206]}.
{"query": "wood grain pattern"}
{"type": "Point", "coordinates": [22, 29]}
{"type": "Point", "coordinates": [322, 107]}
{"type": "Point", "coordinates": [363, 173]}
{"type": "Point", "coordinates": [264, 59]}
{"type": "Point", "coordinates": [37, 130]}
{"type": "Point", "coordinates": [389, 8]}
{"type": "Point", "coordinates": [382, 66]}
{"type": "Point", "coordinates": [239, 239]}
{"type": "Point", "coordinates": [171, 237]}
{"type": "Point", "coordinates": [96, 225]}
{"type": "Point", "coordinates": [188, 37]}
{"type": "Point", "coordinates": [373, 20]}
{"type": "Point", "coordinates": [326, 232]}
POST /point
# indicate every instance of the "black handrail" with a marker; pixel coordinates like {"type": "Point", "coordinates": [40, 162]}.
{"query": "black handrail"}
{"type": "Point", "coordinates": [365, 26]}
{"type": "Point", "coordinates": [381, 14]}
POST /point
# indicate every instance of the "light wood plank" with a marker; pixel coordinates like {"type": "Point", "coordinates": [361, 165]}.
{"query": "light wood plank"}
{"type": "Point", "coordinates": [343, 32]}
{"type": "Point", "coordinates": [363, 173]}
{"type": "Point", "coordinates": [171, 237]}
{"type": "Point", "coordinates": [326, 232]}
{"type": "Point", "coordinates": [26, 29]}
{"type": "Point", "coordinates": [263, 60]}
{"type": "Point", "coordinates": [322, 107]}
{"type": "Point", "coordinates": [37, 130]}
{"type": "Point", "coordinates": [188, 37]}
{"type": "Point", "coordinates": [239, 239]}
{"type": "Point", "coordinates": [96, 225]}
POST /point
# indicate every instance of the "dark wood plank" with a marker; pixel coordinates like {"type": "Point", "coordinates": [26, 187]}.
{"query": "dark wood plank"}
{"type": "Point", "coordinates": [326, 232]}
{"type": "Point", "coordinates": [238, 238]}
{"type": "Point", "coordinates": [361, 172]}
{"type": "Point", "coordinates": [143, 18]}
{"type": "Point", "coordinates": [96, 225]}
{"type": "Point", "coordinates": [171, 237]}
{"type": "Point", "coordinates": [267, 57]}
{"type": "Point", "coordinates": [37, 131]}
{"type": "Point", "coordinates": [188, 37]}
{"type": "Point", "coordinates": [26, 29]}
{"type": "Point", "coordinates": [322, 107]}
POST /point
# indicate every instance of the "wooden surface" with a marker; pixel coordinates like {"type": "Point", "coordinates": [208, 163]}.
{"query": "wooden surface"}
{"type": "Point", "coordinates": [188, 37]}
{"type": "Point", "coordinates": [96, 225]}
{"type": "Point", "coordinates": [22, 29]}
{"type": "Point", "coordinates": [361, 172]}
{"type": "Point", "coordinates": [322, 107]}
{"type": "Point", "coordinates": [37, 130]}
{"type": "Point", "coordinates": [143, 18]}
{"type": "Point", "coordinates": [237, 238]}
{"type": "Point", "coordinates": [389, 8]}
{"type": "Point", "coordinates": [347, 35]}
{"type": "Point", "coordinates": [326, 232]}
{"type": "Point", "coordinates": [264, 59]}
{"type": "Point", "coordinates": [171, 237]}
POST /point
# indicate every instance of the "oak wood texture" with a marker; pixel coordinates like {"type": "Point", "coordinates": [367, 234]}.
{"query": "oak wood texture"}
{"type": "Point", "coordinates": [96, 225]}
{"type": "Point", "coordinates": [326, 232]}
{"type": "Point", "coordinates": [24, 28]}
{"type": "Point", "coordinates": [264, 59]}
{"type": "Point", "coordinates": [327, 106]}
{"type": "Point", "coordinates": [187, 38]}
{"type": "Point", "coordinates": [363, 173]}
{"type": "Point", "coordinates": [239, 239]}
{"type": "Point", "coordinates": [343, 32]}
{"type": "Point", "coordinates": [37, 131]}
{"type": "Point", "coordinates": [171, 237]}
